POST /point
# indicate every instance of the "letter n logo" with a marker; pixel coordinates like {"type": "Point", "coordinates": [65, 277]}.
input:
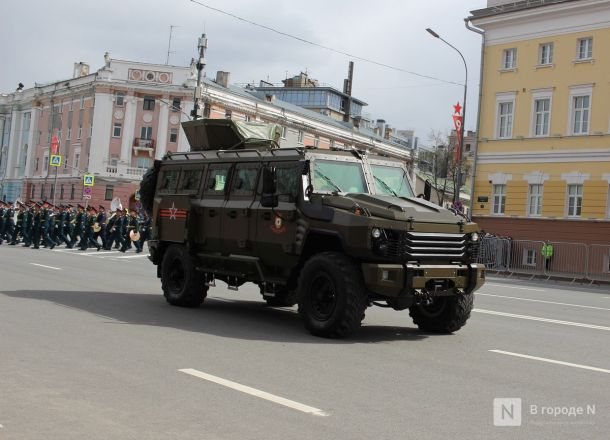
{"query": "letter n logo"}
{"type": "Point", "coordinates": [507, 412]}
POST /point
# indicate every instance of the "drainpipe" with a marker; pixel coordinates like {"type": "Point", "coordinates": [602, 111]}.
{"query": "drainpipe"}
{"type": "Point", "coordinates": [476, 151]}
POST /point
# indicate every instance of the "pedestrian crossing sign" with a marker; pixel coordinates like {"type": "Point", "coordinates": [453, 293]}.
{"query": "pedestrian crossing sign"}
{"type": "Point", "coordinates": [88, 180]}
{"type": "Point", "coordinates": [55, 160]}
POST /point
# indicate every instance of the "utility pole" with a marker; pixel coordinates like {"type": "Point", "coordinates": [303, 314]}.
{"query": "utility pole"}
{"type": "Point", "coordinates": [202, 45]}
{"type": "Point", "coordinates": [347, 89]}
{"type": "Point", "coordinates": [169, 43]}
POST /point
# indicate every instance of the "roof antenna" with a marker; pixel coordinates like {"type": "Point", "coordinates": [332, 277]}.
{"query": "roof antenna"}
{"type": "Point", "coordinates": [169, 43]}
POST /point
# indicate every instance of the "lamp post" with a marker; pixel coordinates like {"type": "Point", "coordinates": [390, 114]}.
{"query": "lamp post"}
{"type": "Point", "coordinates": [458, 183]}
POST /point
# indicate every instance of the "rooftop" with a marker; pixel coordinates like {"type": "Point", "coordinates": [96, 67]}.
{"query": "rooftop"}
{"type": "Point", "coordinates": [514, 6]}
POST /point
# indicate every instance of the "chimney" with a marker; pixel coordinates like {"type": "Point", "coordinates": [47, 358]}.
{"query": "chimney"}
{"type": "Point", "coordinates": [269, 97]}
{"type": "Point", "coordinates": [80, 69]}
{"type": "Point", "coordinates": [381, 127]}
{"type": "Point", "coordinates": [222, 78]}
{"type": "Point", "coordinates": [388, 132]}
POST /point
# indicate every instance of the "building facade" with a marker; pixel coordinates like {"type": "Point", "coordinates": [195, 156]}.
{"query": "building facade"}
{"type": "Point", "coordinates": [115, 122]}
{"type": "Point", "coordinates": [543, 151]}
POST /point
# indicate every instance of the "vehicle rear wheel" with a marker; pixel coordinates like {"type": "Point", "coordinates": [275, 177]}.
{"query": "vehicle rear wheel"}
{"type": "Point", "coordinates": [182, 284]}
{"type": "Point", "coordinates": [331, 295]}
{"type": "Point", "coordinates": [447, 314]}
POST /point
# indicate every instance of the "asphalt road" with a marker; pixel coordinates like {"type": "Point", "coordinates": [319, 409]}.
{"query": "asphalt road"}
{"type": "Point", "coordinates": [89, 349]}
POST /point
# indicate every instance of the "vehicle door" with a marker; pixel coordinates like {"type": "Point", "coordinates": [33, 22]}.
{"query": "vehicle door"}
{"type": "Point", "coordinates": [189, 187]}
{"type": "Point", "coordinates": [276, 227]}
{"type": "Point", "coordinates": [237, 231]}
{"type": "Point", "coordinates": [169, 229]}
{"type": "Point", "coordinates": [212, 204]}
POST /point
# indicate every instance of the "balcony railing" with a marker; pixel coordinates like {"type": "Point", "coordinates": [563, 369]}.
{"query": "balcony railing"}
{"type": "Point", "coordinates": [147, 143]}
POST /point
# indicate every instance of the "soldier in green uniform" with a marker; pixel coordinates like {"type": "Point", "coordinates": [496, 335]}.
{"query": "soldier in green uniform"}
{"type": "Point", "coordinates": [77, 231]}
{"type": "Point", "coordinates": [131, 225]}
{"type": "Point", "coordinates": [2, 221]}
{"type": "Point", "coordinates": [28, 221]}
{"type": "Point", "coordinates": [18, 231]}
{"type": "Point", "coordinates": [36, 226]}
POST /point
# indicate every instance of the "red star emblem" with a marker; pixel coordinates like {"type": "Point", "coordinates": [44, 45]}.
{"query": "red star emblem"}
{"type": "Point", "coordinates": [457, 109]}
{"type": "Point", "coordinates": [172, 212]}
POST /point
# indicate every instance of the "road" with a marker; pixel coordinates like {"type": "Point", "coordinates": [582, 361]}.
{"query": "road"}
{"type": "Point", "coordinates": [89, 349]}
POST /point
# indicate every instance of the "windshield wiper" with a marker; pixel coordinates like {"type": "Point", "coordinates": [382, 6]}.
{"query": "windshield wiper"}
{"type": "Point", "coordinates": [386, 186]}
{"type": "Point", "coordinates": [328, 179]}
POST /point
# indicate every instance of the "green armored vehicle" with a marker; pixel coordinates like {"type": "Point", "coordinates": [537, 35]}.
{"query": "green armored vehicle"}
{"type": "Point", "coordinates": [332, 231]}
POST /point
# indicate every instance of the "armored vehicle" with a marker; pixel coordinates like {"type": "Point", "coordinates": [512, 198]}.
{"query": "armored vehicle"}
{"type": "Point", "coordinates": [334, 231]}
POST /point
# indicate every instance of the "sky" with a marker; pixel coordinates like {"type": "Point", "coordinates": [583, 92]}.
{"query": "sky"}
{"type": "Point", "coordinates": [41, 39]}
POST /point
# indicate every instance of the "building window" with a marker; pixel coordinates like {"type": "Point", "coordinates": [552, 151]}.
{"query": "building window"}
{"type": "Point", "coordinates": [76, 160]}
{"type": "Point", "coordinates": [580, 114]}
{"type": "Point", "coordinates": [574, 200]}
{"type": "Point", "coordinates": [545, 54]}
{"type": "Point", "coordinates": [529, 257]}
{"type": "Point", "coordinates": [146, 133]}
{"type": "Point", "coordinates": [72, 192]}
{"type": "Point", "coordinates": [42, 191]}
{"type": "Point", "coordinates": [542, 115]}
{"type": "Point", "coordinates": [116, 130]}
{"type": "Point", "coordinates": [228, 114]}
{"type": "Point", "coordinates": [149, 103]}
{"type": "Point", "coordinates": [46, 163]}
{"type": "Point", "coordinates": [69, 134]}
{"type": "Point", "coordinates": [173, 135]}
{"type": "Point", "coordinates": [120, 99]}
{"type": "Point", "coordinates": [80, 132]}
{"type": "Point", "coordinates": [509, 58]}
{"type": "Point", "coordinates": [82, 102]}
{"type": "Point", "coordinates": [37, 163]}
{"type": "Point", "coordinates": [61, 192]}
{"type": "Point", "coordinates": [143, 162]}
{"type": "Point", "coordinates": [499, 198]}
{"type": "Point", "coordinates": [534, 200]}
{"type": "Point", "coordinates": [284, 131]}
{"type": "Point", "coordinates": [176, 105]}
{"type": "Point", "coordinates": [33, 192]}
{"type": "Point", "coordinates": [109, 192]}
{"type": "Point", "coordinates": [316, 142]}
{"type": "Point", "coordinates": [585, 49]}
{"type": "Point", "coordinates": [505, 120]}
{"type": "Point", "coordinates": [332, 144]}
{"type": "Point", "coordinates": [300, 137]}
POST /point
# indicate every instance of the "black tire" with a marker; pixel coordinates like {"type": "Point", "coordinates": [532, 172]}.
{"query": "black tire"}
{"type": "Point", "coordinates": [182, 285]}
{"type": "Point", "coordinates": [148, 186]}
{"type": "Point", "coordinates": [283, 298]}
{"type": "Point", "coordinates": [447, 314]}
{"type": "Point", "coordinates": [331, 295]}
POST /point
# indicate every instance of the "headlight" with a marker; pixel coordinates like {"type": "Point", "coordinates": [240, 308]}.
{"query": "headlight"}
{"type": "Point", "coordinates": [474, 236]}
{"type": "Point", "coordinates": [376, 233]}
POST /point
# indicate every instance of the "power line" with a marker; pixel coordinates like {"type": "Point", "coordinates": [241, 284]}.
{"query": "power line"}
{"type": "Point", "coordinates": [312, 43]}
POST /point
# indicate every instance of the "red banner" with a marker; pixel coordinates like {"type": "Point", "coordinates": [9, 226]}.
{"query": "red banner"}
{"type": "Point", "coordinates": [457, 123]}
{"type": "Point", "coordinates": [54, 145]}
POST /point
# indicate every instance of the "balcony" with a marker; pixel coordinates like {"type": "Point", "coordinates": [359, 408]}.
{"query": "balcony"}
{"type": "Point", "coordinates": [143, 146]}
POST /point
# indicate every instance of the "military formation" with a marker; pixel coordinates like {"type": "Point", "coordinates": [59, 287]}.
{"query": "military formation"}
{"type": "Point", "coordinates": [37, 224]}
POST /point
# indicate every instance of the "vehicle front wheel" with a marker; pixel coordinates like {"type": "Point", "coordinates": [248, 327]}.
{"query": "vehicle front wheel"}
{"type": "Point", "coordinates": [331, 295]}
{"type": "Point", "coordinates": [446, 314]}
{"type": "Point", "coordinates": [182, 284]}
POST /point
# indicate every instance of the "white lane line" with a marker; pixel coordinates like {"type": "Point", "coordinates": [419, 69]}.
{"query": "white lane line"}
{"type": "Point", "coordinates": [514, 287]}
{"type": "Point", "coordinates": [541, 301]}
{"type": "Point", "coordinates": [537, 318]}
{"type": "Point", "coordinates": [48, 267]}
{"type": "Point", "coordinates": [551, 361]}
{"type": "Point", "coordinates": [254, 392]}
{"type": "Point", "coordinates": [133, 256]}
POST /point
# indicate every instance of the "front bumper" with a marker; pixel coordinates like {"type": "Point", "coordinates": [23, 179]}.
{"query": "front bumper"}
{"type": "Point", "coordinates": [397, 279]}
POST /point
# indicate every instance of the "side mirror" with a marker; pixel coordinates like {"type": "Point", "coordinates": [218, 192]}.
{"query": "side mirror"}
{"type": "Point", "coordinates": [269, 198]}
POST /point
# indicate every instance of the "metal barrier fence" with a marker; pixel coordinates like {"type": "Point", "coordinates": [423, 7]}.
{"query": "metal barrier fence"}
{"type": "Point", "coordinates": [567, 260]}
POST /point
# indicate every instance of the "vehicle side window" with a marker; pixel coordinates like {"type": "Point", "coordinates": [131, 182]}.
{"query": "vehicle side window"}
{"type": "Point", "coordinates": [288, 181]}
{"type": "Point", "coordinates": [244, 179]}
{"type": "Point", "coordinates": [216, 179]}
{"type": "Point", "coordinates": [190, 181]}
{"type": "Point", "coordinates": [169, 181]}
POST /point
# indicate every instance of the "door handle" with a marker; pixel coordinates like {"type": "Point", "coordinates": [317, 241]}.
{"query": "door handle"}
{"type": "Point", "coordinates": [212, 213]}
{"type": "Point", "coordinates": [266, 216]}
{"type": "Point", "coordinates": [233, 213]}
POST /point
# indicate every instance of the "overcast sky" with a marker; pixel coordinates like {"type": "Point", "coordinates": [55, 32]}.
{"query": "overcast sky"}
{"type": "Point", "coordinates": [41, 39]}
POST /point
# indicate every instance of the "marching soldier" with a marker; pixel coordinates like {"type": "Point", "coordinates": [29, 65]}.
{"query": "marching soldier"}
{"type": "Point", "coordinates": [28, 221]}
{"type": "Point", "coordinates": [144, 230]}
{"type": "Point", "coordinates": [78, 225]}
{"type": "Point", "coordinates": [132, 231]}
{"type": "Point", "coordinates": [69, 225]}
{"type": "Point", "coordinates": [46, 219]}
{"type": "Point", "coordinates": [101, 226]}
{"type": "Point", "coordinates": [19, 224]}
{"type": "Point", "coordinates": [60, 225]}
{"type": "Point", "coordinates": [2, 221]}
{"type": "Point", "coordinates": [36, 226]}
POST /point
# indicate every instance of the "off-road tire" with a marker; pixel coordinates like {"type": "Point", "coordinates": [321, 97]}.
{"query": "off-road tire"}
{"type": "Point", "coordinates": [446, 315]}
{"type": "Point", "coordinates": [335, 276]}
{"type": "Point", "coordinates": [147, 188]}
{"type": "Point", "coordinates": [182, 285]}
{"type": "Point", "coordinates": [283, 298]}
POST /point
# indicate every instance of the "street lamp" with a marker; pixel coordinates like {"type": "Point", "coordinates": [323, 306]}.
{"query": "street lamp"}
{"type": "Point", "coordinates": [458, 183]}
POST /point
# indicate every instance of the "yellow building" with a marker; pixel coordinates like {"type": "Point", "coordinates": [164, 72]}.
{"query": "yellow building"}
{"type": "Point", "coordinates": [543, 153]}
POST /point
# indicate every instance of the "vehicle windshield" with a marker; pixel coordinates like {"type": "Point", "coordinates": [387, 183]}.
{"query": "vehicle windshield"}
{"type": "Point", "coordinates": [391, 181]}
{"type": "Point", "coordinates": [335, 176]}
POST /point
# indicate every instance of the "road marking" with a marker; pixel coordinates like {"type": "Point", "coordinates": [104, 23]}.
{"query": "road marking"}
{"type": "Point", "coordinates": [133, 256]}
{"type": "Point", "coordinates": [536, 318]}
{"type": "Point", "coordinates": [254, 392]}
{"type": "Point", "coordinates": [546, 302]}
{"type": "Point", "coordinates": [48, 267]}
{"type": "Point", "coordinates": [515, 287]}
{"type": "Point", "coordinates": [551, 361]}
